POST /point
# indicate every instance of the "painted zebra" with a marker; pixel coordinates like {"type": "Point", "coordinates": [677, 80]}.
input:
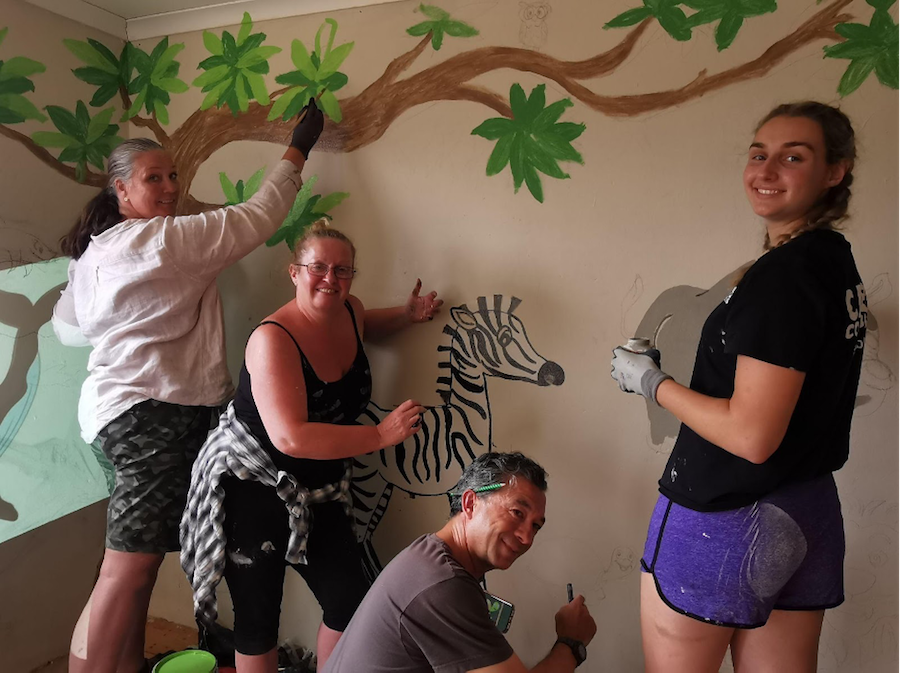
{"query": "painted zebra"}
{"type": "Point", "coordinates": [489, 341]}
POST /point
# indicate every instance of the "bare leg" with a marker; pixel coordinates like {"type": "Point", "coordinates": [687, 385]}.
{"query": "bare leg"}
{"type": "Point", "coordinates": [257, 663]}
{"type": "Point", "coordinates": [326, 641]}
{"type": "Point", "coordinates": [104, 640]}
{"type": "Point", "coordinates": [674, 643]}
{"type": "Point", "coordinates": [788, 642]}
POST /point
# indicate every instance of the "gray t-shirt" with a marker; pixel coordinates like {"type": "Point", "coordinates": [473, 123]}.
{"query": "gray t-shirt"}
{"type": "Point", "coordinates": [424, 613]}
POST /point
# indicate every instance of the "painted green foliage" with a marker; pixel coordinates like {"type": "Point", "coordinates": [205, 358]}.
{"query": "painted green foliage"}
{"type": "Point", "coordinates": [307, 208]}
{"type": "Point", "coordinates": [316, 76]}
{"type": "Point", "coordinates": [439, 24]}
{"type": "Point", "coordinates": [533, 140]}
{"type": "Point", "coordinates": [234, 72]}
{"type": "Point", "coordinates": [14, 81]}
{"type": "Point", "coordinates": [872, 47]}
{"type": "Point", "coordinates": [239, 192]}
{"type": "Point", "coordinates": [729, 14]}
{"type": "Point", "coordinates": [82, 139]}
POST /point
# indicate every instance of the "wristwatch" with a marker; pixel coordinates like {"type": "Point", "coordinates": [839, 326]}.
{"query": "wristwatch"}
{"type": "Point", "coordinates": [579, 651]}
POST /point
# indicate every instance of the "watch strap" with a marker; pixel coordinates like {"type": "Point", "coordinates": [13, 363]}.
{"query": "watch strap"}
{"type": "Point", "coordinates": [579, 651]}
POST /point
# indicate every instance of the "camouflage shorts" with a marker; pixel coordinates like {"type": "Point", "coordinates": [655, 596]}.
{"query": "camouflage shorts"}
{"type": "Point", "coordinates": [152, 447]}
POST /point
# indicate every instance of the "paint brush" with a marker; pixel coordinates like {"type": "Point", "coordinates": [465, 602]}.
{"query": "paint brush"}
{"type": "Point", "coordinates": [569, 593]}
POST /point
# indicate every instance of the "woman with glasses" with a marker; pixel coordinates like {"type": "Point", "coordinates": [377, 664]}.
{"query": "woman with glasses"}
{"type": "Point", "coordinates": [271, 485]}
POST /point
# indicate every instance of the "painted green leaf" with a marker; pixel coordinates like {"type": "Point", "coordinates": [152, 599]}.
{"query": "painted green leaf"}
{"type": "Point", "coordinates": [83, 117]}
{"type": "Point", "coordinates": [16, 85]}
{"type": "Point", "coordinates": [172, 85]}
{"type": "Point", "coordinates": [257, 55]}
{"type": "Point", "coordinates": [881, 4]}
{"type": "Point", "coordinates": [162, 115]}
{"type": "Point", "coordinates": [459, 29]}
{"type": "Point", "coordinates": [437, 38]}
{"type": "Point", "coordinates": [98, 125]}
{"type": "Point", "coordinates": [3, 33]}
{"type": "Point", "coordinates": [629, 18]}
{"type": "Point", "coordinates": [228, 188]}
{"type": "Point", "coordinates": [674, 22]}
{"type": "Point", "coordinates": [854, 49]}
{"type": "Point", "coordinates": [886, 69]}
{"type": "Point", "coordinates": [254, 183]}
{"type": "Point", "coordinates": [333, 60]}
{"type": "Point", "coordinates": [420, 29]}
{"type": "Point", "coordinates": [240, 90]}
{"type": "Point", "coordinates": [136, 104]}
{"type": "Point", "coordinates": [19, 66]}
{"type": "Point", "coordinates": [21, 106]}
{"type": "Point", "coordinates": [212, 42]}
{"type": "Point", "coordinates": [280, 105]}
{"type": "Point", "coordinates": [495, 128]}
{"type": "Point", "coordinates": [52, 139]}
{"type": "Point", "coordinates": [210, 77]}
{"type": "Point", "coordinates": [246, 27]}
{"type": "Point", "coordinates": [294, 78]}
{"type": "Point", "coordinates": [301, 59]}
{"type": "Point", "coordinates": [855, 75]}
{"type": "Point", "coordinates": [213, 96]}
{"type": "Point", "coordinates": [64, 120]}
{"type": "Point", "coordinates": [727, 30]}
{"type": "Point", "coordinates": [104, 94]}
{"type": "Point", "coordinates": [533, 141]}
{"type": "Point", "coordinates": [257, 87]}
{"type": "Point", "coordinates": [336, 81]}
{"type": "Point", "coordinates": [88, 54]}
{"type": "Point", "coordinates": [166, 59]}
{"type": "Point", "coordinates": [95, 76]}
{"type": "Point", "coordinates": [500, 156]}
{"type": "Point", "coordinates": [326, 203]}
{"type": "Point", "coordinates": [330, 106]}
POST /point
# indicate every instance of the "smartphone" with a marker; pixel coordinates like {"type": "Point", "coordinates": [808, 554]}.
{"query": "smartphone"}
{"type": "Point", "coordinates": [500, 611]}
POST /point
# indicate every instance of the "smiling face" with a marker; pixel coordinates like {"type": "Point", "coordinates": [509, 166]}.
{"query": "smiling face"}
{"type": "Point", "coordinates": [787, 172]}
{"type": "Point", "coordinates": [152, 190]}
{"type": "Point", "coordinates": [328, 291]}
{"type": "Point", "coordinates": [502, 526]}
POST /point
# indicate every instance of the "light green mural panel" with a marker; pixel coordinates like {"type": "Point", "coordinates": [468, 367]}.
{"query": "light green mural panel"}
{"type": "Point", "coordinates": [46, 470]}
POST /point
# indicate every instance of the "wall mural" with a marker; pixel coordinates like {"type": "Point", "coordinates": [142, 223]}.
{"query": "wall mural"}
{"type": "Point", "coordinates": [489, 342]}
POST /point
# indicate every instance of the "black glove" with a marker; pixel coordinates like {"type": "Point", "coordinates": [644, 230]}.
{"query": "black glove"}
{"type": "Point", "coordinates": [308, 129]}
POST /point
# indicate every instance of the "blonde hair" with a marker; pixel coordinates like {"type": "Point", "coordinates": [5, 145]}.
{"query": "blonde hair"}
{"type": "Point", "coordinates": [320, 229]}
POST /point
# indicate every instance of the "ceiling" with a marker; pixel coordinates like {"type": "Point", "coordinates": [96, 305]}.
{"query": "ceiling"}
{"type": "Point", "coordinates": [140, 19]}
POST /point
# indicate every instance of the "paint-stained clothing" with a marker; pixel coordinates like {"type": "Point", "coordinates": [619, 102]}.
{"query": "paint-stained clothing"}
{"type": "Point", "coordinates": [424, 613]}
{"type": "Point", "coordinates": [144, 296]}
{"type": "Point", "coordinates": [233, 452]}
{"type": "Point", "coordinates": [800, 306]}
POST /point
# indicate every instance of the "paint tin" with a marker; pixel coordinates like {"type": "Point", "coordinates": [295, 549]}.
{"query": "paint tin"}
{"type": "Point", "coordinates": [187, 661]}
{"type": "Point", "coordinates": [638, 345]}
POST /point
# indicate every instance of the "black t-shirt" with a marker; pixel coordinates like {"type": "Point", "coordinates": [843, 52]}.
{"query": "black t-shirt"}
{"type": "Point", "coordinates": [802, 306]}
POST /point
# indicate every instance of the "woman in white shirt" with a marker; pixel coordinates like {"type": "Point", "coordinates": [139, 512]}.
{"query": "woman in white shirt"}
{"type": "Point", "coordinates": [142, 293]}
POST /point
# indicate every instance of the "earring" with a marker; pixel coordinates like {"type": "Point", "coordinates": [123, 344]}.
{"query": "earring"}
{"type": "Point", "coordinates": [125, 199]}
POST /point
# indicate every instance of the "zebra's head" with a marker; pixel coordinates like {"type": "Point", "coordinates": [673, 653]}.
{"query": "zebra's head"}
{"type": "Point", "coordinates": [493, 340]}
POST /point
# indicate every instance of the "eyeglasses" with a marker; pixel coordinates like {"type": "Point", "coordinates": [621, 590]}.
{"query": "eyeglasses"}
{"type": "Point", "coordinates": [321, 270]}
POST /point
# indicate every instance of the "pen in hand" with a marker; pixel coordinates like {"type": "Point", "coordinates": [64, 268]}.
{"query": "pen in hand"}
{"type": "Point", "coordinates": [569, 593]}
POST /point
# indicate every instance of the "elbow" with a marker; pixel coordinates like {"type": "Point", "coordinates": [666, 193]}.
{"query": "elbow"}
{"type": "Point", "coordinates": [758, 449]}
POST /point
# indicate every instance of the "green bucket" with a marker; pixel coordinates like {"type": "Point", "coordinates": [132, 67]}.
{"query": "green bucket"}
{"type": "Point", "coordinates": [188, 661]}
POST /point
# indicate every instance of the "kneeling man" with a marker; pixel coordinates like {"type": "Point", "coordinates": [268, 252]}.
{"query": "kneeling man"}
{"type": "Point", "coordinates": [426, 611]}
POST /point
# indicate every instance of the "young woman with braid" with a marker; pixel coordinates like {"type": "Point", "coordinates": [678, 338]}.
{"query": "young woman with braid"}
{"type": "Point", "coordinates": [142, 292]}
{"type": "Point", "coordinates": [746, 543]}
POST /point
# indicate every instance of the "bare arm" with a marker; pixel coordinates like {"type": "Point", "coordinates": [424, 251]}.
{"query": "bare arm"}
{"type": "Point", "coordinates": [279, 391]}
{"type": "Point", "coordinates": [383, 322]}
{"type": "Point", "coordinates": [751, 424]}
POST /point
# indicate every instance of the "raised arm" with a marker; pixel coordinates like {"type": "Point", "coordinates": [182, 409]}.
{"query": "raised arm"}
{"type": "Point", "coordinates": [382, 322]}
{"type": "Point", "coordinates": [204, 244]}
{"type": "Point", "coordinates": [279, 390]}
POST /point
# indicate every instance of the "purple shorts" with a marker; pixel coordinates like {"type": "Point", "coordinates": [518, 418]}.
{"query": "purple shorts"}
{"type": "Point", "coordinates": [732, 568]}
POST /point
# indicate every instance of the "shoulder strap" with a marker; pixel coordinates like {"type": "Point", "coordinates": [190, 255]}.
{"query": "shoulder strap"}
{"type": "Point", "coordinates": [353, 318]}
{"type": "Point", "coordinates": [278, 324]}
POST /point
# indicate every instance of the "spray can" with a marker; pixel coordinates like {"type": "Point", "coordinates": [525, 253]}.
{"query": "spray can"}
{"type": "Point", "coordinates": [638, 345]}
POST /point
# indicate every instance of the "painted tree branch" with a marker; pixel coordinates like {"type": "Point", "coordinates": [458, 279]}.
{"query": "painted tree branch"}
{"type": "Point", "coordinates": [161, 136]}
{"type": "Point", "coordinates": [93, 179]}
